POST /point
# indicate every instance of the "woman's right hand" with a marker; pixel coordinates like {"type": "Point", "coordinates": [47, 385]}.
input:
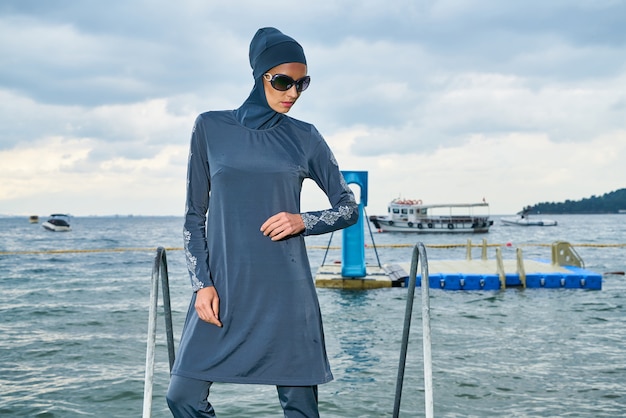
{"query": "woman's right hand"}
{"type": "Point", "coordinates": [208, 305]}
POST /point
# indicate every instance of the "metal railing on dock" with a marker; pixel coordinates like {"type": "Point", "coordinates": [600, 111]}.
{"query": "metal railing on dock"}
{"type": "Point", "coordinates": [159, 271]}
{"type": "Point", "coordinates": [160, 275]}
{"type": "Point", "coordinates": [419, 255]}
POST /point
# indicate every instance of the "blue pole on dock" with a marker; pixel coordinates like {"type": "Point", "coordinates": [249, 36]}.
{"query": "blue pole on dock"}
{"type": "Point", "coordinates": [353, 248]}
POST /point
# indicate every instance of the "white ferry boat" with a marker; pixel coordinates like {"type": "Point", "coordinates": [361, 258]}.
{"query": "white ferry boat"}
{"type": "Point", "coordinates": [406, 215]}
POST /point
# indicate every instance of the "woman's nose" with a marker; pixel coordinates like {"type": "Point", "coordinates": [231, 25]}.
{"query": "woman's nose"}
{"type": "Point", "coordinates": [293, 92]}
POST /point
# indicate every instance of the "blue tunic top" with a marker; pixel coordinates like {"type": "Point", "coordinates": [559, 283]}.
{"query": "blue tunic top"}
{"type": "Point", "coordinates": [272, 328]}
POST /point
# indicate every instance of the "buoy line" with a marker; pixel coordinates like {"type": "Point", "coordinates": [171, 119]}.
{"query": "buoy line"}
{"type": "Point", "coordinates": [311, 247]}
{"type": "Point", "coordinates": [93, 250]}
{"type": "Point", "coordinates": [323, 247]}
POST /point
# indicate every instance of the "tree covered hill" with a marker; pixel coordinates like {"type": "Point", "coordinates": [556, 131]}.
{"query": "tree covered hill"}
{"type": "Point", "coordinates": [611, 202]}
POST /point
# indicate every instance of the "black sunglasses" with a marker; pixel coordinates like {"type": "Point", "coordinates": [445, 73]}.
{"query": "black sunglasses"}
{"type": "Point", "coordinates": [282, 82]}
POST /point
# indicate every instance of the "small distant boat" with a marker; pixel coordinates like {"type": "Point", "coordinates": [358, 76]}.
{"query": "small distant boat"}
{"type": "Point", "coordinates": [57, 222]}
{"type": "Point", "coordinates": [33, 219]}
{"type": "Point", "coordinates": [523, 219]}
{"type": "Point", "coordinates": [414, 216]}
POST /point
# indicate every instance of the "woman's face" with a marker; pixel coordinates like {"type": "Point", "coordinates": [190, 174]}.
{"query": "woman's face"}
{"type": "Point", "coordinates": [282, 101]}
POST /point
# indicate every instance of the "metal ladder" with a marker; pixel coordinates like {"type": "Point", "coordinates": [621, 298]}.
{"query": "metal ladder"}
{"type": "Point", "coordinates": [159, 271]}
{"type": "Point", "coordinates": [419, 255]}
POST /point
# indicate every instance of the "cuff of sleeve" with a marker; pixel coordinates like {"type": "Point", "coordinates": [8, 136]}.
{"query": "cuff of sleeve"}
{"type": "Point", "coordinates": [196, 284]}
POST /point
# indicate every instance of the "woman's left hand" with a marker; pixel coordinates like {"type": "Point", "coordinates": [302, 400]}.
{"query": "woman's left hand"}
{"type": "Point", "coordinates": [282, 225]}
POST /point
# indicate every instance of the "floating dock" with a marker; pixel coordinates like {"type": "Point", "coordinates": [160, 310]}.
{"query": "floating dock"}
{"type": "Point", "coordinates": [565, 269]}
{"type": "Point", "coordinates": [376, 277]}
{"type": "Point", "coordinates": [482, 275]}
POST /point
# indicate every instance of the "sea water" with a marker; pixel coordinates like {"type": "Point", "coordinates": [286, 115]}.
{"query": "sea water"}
{"type": "Point", "coordinates": [74, 313]}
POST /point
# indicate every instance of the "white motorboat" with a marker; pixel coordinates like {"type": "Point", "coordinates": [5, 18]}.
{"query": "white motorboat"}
{"type": "Point", "coordinates": [522, 220]}
{"type": "Point", "coordinates": [57, 222]}
{"type": "Point", "coordinates": [406, 215]}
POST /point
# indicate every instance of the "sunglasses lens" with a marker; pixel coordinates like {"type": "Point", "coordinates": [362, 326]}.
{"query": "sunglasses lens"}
{"type": "Point", "coordinates": [303, 83]}
{"type": "Point", "coordinates": [282, 82]}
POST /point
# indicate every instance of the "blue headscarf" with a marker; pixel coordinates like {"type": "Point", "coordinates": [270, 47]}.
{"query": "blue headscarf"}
{"type": "Point", "coordinates": [269, 47]}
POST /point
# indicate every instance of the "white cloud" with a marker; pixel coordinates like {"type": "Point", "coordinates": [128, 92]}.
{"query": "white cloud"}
{"type": "Point", "coordinates": [510, 171]}
{"type": "Point", "coordinates": [439, 100]}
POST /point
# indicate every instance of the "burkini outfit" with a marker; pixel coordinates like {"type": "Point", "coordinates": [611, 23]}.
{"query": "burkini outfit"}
{"type": "Point", "coordinates": [246, 165]}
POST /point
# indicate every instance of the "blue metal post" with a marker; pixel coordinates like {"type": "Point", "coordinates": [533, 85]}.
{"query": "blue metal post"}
{"type": "Point", "coordinates": [353, 248]}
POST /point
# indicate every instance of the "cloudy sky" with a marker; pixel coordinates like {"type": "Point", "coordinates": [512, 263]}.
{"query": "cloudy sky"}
{"type": "Point", "coordinates": [441, 100]}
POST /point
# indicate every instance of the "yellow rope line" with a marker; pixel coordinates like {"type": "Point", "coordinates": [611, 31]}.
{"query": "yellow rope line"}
{"type": "Point", "coordinates": [314, 247]}
{"type": "Point", "coordinates": [323, 247]}
{"type": "Point", "coordinates": [95, 250]}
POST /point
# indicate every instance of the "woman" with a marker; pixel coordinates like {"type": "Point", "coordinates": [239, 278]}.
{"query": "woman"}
{"type": "Point", "coordinates": [254, 316]}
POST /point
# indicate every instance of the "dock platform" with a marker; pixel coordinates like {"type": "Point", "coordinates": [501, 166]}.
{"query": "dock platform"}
{"type": "Point", "coordinates": [565, 270]}
{"type": "Point", "coordinates": [329, 276]}
{"type": "Point", "coordinates": [483, 275]}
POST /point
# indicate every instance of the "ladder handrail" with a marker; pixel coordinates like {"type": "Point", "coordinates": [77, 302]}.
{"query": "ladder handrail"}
{"type": "Point", "coordinates": [159, 270]}
{"type": "Point", "coordinates": [419, 251]}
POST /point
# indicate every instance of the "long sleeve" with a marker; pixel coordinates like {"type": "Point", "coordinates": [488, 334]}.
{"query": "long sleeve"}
{"type": "Point", "coordinates": [196, 207]}
{"type": "Point", "coordinates": [324, 170]}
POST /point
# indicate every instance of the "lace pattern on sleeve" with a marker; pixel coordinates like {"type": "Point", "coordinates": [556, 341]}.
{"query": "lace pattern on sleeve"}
{"type": "Point", "coordinates": [192, 263]}
{"type": "Point", "coordinates": [329, 217]}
